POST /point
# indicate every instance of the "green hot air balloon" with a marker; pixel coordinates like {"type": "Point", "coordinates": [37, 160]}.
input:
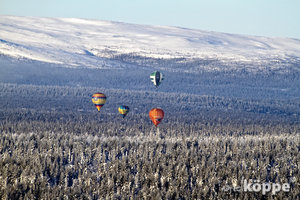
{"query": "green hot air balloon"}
{"type": "Point", "coordinates": [156, 77]}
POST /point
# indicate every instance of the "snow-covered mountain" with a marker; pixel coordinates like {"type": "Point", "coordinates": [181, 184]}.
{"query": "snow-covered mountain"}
{"type": "Point", "coordinates": [92, 43]}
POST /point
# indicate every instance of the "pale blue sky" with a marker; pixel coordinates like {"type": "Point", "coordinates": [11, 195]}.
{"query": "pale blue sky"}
{"type": "Point", "coordinates": [276, 18]}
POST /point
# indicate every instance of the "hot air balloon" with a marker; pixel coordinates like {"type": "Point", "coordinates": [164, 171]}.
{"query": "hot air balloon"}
{"type": "Point", "coordinates": [99, 100]}
{"type": "Point", "coordinates": [156, 77]}
{"type": "Point", "coordinates": [123, 110]}
{"type": "Point", "coordinates": [156, 115]}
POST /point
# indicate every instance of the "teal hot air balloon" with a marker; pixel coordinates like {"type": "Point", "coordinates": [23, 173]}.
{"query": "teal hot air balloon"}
{"type": "Point", "coordinates": [123, 110]}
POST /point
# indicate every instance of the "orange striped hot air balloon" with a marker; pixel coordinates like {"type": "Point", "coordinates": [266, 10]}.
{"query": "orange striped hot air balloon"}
{"type": "Point", "coordinates": [99, 100]}
{"type": "Point", "coordinates": [156, 115]}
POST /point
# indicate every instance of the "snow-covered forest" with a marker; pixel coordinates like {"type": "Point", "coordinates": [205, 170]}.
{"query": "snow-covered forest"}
{"type": "Point", "coordinates": [231, 103]}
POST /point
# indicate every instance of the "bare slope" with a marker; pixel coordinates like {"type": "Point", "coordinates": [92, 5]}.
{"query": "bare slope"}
{"type": "Point", "coordinates": [88, 43]}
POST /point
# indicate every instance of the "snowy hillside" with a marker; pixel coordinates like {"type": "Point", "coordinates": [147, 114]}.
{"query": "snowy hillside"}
{"type": "Point", "coordinates": [92, 43]}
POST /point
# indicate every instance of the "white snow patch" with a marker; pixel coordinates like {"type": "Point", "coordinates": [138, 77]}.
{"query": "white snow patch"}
{"type": "Point", "coordinates": [82, 42]}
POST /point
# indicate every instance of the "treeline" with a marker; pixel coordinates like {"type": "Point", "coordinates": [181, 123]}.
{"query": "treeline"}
{"type": "Point", "coordinates": [150, 165]}
{"type": "Point", "coordinates": [202, 65]}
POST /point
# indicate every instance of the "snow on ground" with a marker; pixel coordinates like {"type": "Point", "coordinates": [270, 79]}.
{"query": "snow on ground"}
{"type": "Point", "coordinates": [81, 42]}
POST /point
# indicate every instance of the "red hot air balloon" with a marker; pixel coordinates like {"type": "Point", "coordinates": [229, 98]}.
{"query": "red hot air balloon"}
{"type": "Point", "coordinates": [156, 115]}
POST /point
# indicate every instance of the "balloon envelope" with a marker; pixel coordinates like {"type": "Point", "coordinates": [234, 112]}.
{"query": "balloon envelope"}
{"type": "Point", "coordinates": [156, 115]}
{"type": "Point", "coordinates": [123, 110]}
{"type": "Point", "coordinates": [99, 100]}
{"type": "Point", "coordinates": [156, 77]}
